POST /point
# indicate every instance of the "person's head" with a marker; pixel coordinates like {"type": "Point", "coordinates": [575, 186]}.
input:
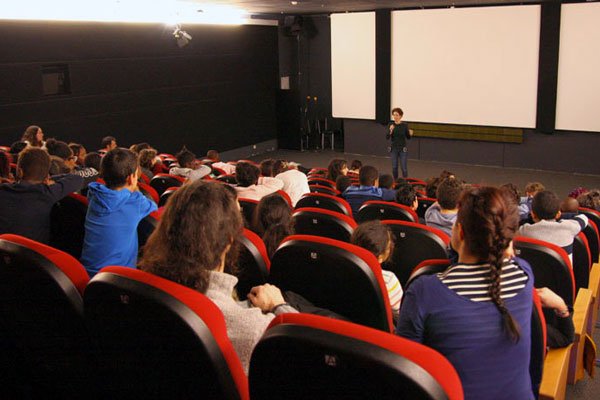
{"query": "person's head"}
{"type": "Point", "coordinates": [137, 148]}
{"type": "Point", "coordinates": [33, 165]}
{"type": "Point", "coordinates": [368, 176]}
{"type": "Point", "coordinates": [448, 193]}
{"type": "Point", "coordinates": [246, 174]}
{"type": "Point", "coordinates": [585, 200]}
{"type": "Point", "coordinates": [273, 221]}
{"type": "Point", "coordinates": [485, 226]}
{"type": "Point", "coordinates": [92, 160]}
{"type": "Point", "coordinates": [4, 165]}
{"type": "Point", "coordinates": [62, 150]}
{"type": "Point", "coordinates": [147, 158]}
{"type": "Point", "coordinates": [595, 195]}
{"type": "Point", "coordinates": [33, 135]}
{"type": "Point", "coordinates": [545, 205]}
{"type": "Point", "coordinates": [336, 167]}
{"type": "Point", "coordinates": [280, 166]}
{"type": "Point", "coordinates": [58, 166]}
{"type": "Point", "coordinates": [119, 168]}
{"type": "Point", "coordinates": [356, 165]}
{"type": "Point", "coordinates": [212, 155]}
{"type": "Point", "coordinates": [266, 167]}
{"type": "Point", "coordinates": [397, 114]}
{"type": "Point", "coordinates": [376, 238]}
{"type": "Point", "coordinates": [17, 147]}
{"type": "Point", "coordinates": [575, 193]}
{"type": "Point", "coordinates": [406, 195]}
{"type": "Point", "coordinates": [196, 232]}
{"type": "Point", "coordinates": [185, 158]}
{"type": "Point", "coordinates": [431, 187]}
{"type": "Point", "coordinates": [108, 143]}
{"type": "Point", "coordinates": [386, 181]}
{"type": "Point", "coordinates": [512, 190]}
{"type": "Point", "coordinates": [342, 183]}
{"type": "Point", "coordinates": [532, 188]}
{"type": "Point", "coordinates": [569, 205]}
{"type": "Point", "coordinates": [447, 174]}
{"type": "Point", "coordinates": [78, 151]}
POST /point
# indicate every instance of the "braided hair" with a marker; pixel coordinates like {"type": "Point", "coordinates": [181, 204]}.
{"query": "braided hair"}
{"type": "Point", "coordinates": [490, 218]}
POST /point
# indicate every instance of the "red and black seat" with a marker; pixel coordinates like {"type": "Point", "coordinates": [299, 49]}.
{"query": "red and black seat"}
{"type": "Point", "coordinates": [149, 192]}
{"type": "Point", "coordinates": [377, 209]}
{"type": "Point", "coordinates": [321, 222]}
{"type": "Point", "coordinates": [159, 339]}
{"type": "Point", "coordinates": [253, 263]}
{"type": "Point", "coordinates": [427, 267]}
{"type": "Point", "coordinates": [226, 178]}
{"type": "Point", "coordinates": [593, 236]}
{"type": "Point", "coordinates": [538, 344]}
{"type": "Point", "coordinates": [414, 244]}
{"type": "Point", "coordinates": [582, 261]}
{"type": "Point", "coordinates": [333, 275]}
{"type": "Point", "coordinates": [303, 356]}
{"type": "Point", "coordinates": [550, 265]}
{"type": "Point", "coordinates": [41, 319]}
{"type": "Point", "coordinates": [248, 206]}
{"type": "Point", "coordinates": [324, 189]}
{"type": "Point", "coordinates": [166, 194]}
{"type": "Point", "coordinates": [162, 182]}
{"type": "Point", "coordinates": [325, 201]}
{"type": "Point", "coordinates": [321, 181]}
{"type": "Point", "coordinates": [424, 204]}
{"type": "Point", "coordinates": [146, 226]}
{"type": "Point", "coordinates": [67, 224]}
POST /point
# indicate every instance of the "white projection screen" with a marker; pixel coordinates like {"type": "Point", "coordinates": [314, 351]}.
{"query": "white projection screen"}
{"type": "Point", "coordinates": [353, 65]}
{"type": "Point", "coordinates": [472, 66]}
{"type": "Point", "coordinates": [578, 92]}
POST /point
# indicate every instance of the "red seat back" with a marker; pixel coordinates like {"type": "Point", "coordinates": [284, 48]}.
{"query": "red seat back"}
{"type": "Point", "coordinates": [424, 204]}
{"type": "Point", "coordinates": [67, 224]}
{"type": "Point", "coordinates": [324, 189]}
{"type": "Point", "coordinates": [376, 209]}
{"type": "Point", "coordinates": [253, 263]}
{"type": "Point", "coordinates": [321, 222]}
{"type": "Point", "coordinates": [582, 261]}
{"type": "Point", "coordinates": [325, 201]}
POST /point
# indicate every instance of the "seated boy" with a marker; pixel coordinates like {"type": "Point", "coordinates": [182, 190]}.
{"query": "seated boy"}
{"type": "Point", "coordinates": [114, 211]}
{"type": "Point", "coordinates": [407, 196]}
{"type": "Point", "coordinates": [386, 184]}
{"type": "Point", "coordinates": [187, 166]}
{"type": "Point", "coordinates": [250, 185]}
{"type": "Point", "coordinates": [545, 212]}
{"type": "Point", "coordinates": [213, 155]}
{"type": "Point", "coordinates": [442, 213]}
{"type": "Point", "coordinates": [531, 190]}
{"type": "Point", "coordinates": [26, 204]}
{"type": "Point", "coordinates": [368, 178]}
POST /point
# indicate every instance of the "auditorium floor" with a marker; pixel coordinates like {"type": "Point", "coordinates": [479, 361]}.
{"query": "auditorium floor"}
{"type": "Point", "coordinates": [559, 182]}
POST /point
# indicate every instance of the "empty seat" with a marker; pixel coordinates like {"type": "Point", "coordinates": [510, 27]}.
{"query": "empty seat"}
{"type": "Point", "coordinates": [424, 204]}
{"type": "Point", "coordinates": [247, 207]}
{"type": "Point", "coordinates": [67, 224]}
{"type": "Point", "coordinates": [582, 261]}
{"type": "Point", "coordinates": [304, 356]}
{"type": "Point", "coordinates": [376, 209]}
{"type": "Point", "coordinates": [162, 182]}
{"type": "Point", "coordinates": [159, 339]}
{"type": "Point", "coordinates": [321, 222]}
{"type": "Point", "coordinates": [324, 189]}
{"type": "Point", "coordinates": [166, 194]}
{"type": "Point", "coordinates": [41, 312]}
{"type": "Point", "coordinates": [253, 263]}
{"type": "Point", "coordinates": [326, 202]}
{"type": "Point", "coordinates": [414, 244]}
{"type": "Point", "coordinates": [334, 275]}
{"type": "Point", "coordinates": [321, 181]}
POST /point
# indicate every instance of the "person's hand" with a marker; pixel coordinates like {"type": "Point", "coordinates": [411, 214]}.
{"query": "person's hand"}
{"type": "Point", "coordinates": [552, 300]}
{"type": "Point", "coordinates": [410, 132]}
{"type": "Point", "coordinates": [391, 128]}
{"type": "Point", "coordinates": [266, 297]}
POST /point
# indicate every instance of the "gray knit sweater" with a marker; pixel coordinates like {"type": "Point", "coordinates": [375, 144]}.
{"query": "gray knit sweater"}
{"type": "Point", "coordinates": [245, 323]}
{"type": "Point", "coordinates": [560, 233]}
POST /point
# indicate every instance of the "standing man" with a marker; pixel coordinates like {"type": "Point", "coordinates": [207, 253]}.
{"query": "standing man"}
{"type": "Point", "coordinates": [399, 133]}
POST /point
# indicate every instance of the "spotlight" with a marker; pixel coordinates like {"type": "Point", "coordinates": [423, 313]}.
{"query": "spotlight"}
{"type": "Point", "coordinates": [182, 37]}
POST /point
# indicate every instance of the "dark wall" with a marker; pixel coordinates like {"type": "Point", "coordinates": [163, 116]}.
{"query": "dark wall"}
{"type": "Point", "coordinates": [133, 82]}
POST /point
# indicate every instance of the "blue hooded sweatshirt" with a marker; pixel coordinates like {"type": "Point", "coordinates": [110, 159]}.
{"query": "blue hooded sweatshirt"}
{"type": "Point", "coordinates": [111, 227]}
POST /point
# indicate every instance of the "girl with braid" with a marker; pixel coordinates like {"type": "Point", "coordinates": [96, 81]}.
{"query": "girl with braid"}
{"type": "Point", "coordinates": [477, 313]}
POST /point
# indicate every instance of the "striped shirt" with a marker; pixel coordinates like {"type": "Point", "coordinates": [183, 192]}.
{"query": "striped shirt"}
{"type": "Point", "coordinates": [394, 290]}
{"type": "Point", "coordinates": [473, 280]}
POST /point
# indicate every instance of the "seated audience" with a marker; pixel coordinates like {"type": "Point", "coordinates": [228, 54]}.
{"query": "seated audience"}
{"type": "Point", "coordinates": [273, 221]}
{"type": "Point", "coordinates": [108, 143]}
{"type": "Point", "coordinates": [342, 183]}
{"type": "Point", "coordinates": [26, 204]}
{"type": "Point", "coordinates": [58, 166]}
{"type": "Point", "coordinates": [590, 199]}
{"type": "Point", "coordinates": [137, 148]}
{"type": "Point", "coordinates": [336, 167]}
{"type": "Point", "coordinates": [250, 185]}
{"type": "Point", "coordinates": [513, 191]}
{"type": "Point", "coordinates": [114, 211]}
{"type": "Point", "coordinates": [377, 238]}
{"type": "Point", "coordinates": [368, 189]}
{"type": "Point", "coordinates": [34, 136]}
{"type": "Point", "coordinates": [92, 160]}
{"type": "Point", "coordinates": [442, 213]}
{"type": "Point", "coordinates": [569, 205]}
{"type": "Point", "coordinates": [407, 196]}
{"type": "Point", "coordinates": [525, 203]}
{"type": "Point", "coordinates": [5, 174]}
{"type": "Point", "coordinates": [147, 160]}
{"type": "Point", "coordinates": [545, 212]}
{"type": "Point", "coordinates": [477, 313]}
{"type": "Point", "coordinates": [78, 151]}
{"type": "Point", "coordinates": [16, 148]}
{"type": "Point", "coordinates": [295, 183]}
{"type": "Point", "coordinates": [560, 331]}
{"type": "Point", "coordinates": [188, 168]}
{"type": "Point", "coordinates": [213, 155]}
{"type": "Point", "coordinates": [266, 167]}
{"type": "Point", "coordinates": [355, 166]}
{"type": "Point", "coordinates": [67, 162]}
{"type": "Point", "coordinates": [386, 183]}
{"type": "Point", "coordinates": [431, 187]}
{"type": "Point", "coordinates": [192, 245]}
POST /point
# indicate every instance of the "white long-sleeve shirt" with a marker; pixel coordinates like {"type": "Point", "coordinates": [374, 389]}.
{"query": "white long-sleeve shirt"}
{"type": "Point", "coordinates": [265, 186]}
{"type": "Point", "coordinates": [295, 184]}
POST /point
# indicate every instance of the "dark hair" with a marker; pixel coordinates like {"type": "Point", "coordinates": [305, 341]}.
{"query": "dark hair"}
{"type": "Point", "coordinates": [117, 165]}
{"type": "Point", "coordinates": [246, 174]}
{"type": "Point", "coordinates": [368, 175]}
{"type": "Point", "coordinates": [199, 223]}
{"type": "Point", "coordinates": [4, 165]}
{"type": "Point", "coordinates": [107, 140]}
{"type": "Point", "coordinates": [59, 149]}
{"type": "Point", "coordinates": [17, 147]}
{"type": "Point", "coordinates": [431, 187]}
{"type": "Point", "coordinates": [58, 166]}
{"type": "Point", "coordinates": [30, 135]}
{"type": "Point", "coordinates": [386, 181]}
{"type": "Point", "coordinates": [147, 157]}
{"type": "Point", "coordinates": [93, 160]}
{"type": "Point", "coordinates": [585, 200]}
{"type": "Point", "coordinates": [356, 164]}
{"type": "Point", "coordinates": [489, 220]}
{"type": "Point", "coordinates": [342, 183]}
{"type": "Point", "coordinates": [274, 235]}
{"type": "Point", "coordinates": [569, 205]}
{"type": "Point", "coordinates": [534, 187]}
{"type": "Point", "coordinates": [398, 110]}
{"type": "Point", "coordinates": [373, 236]}
{"type": "Point", "coordinates": [448, 193]}
{"type": "Point", "coordinates": [75, 148]}
{"type": "Point", "coordinates": [279, 166]}
{"type": "Point", "coordinates": [33, 164]}
{"type": "Point", "coordinates": [512, 190]}
{"type": "Point", "coordinates": [266, 167]}
{"type": "Point", "coordinates": [137, 148]}
{"type": "Point", "coordinates": [446, 174]}
{"type": "Point", "coordinates": [545, 204]}
{"type": "Point", "coordinates": [213, 155]}
{"type": "Point", "coordinates": [185, 158]}
{"type": "Point", "coordinates": [335, 168]}
{"type": "Point", "coordinates": [406, 194]}
{"type": "Point", "coordinates": [273, 221]}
